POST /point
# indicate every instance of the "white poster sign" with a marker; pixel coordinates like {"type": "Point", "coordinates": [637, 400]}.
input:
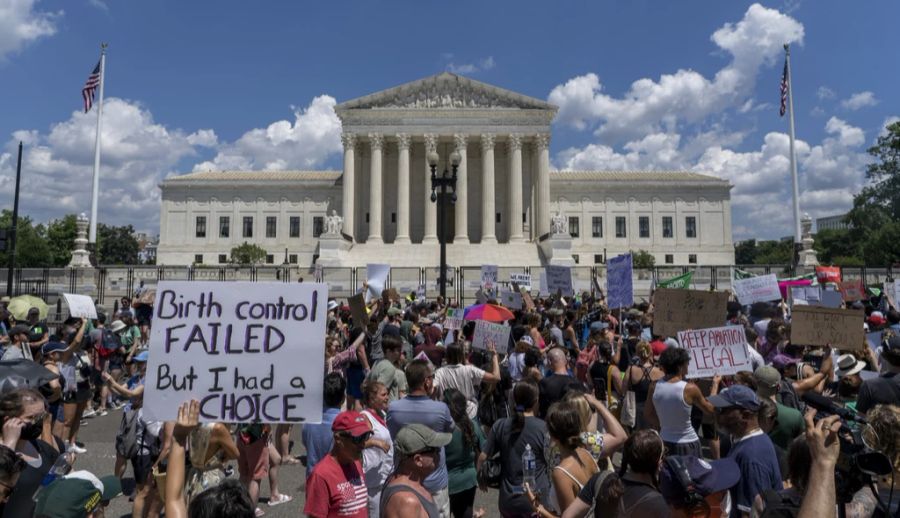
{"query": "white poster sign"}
{"type": "Point", "coordinates": [522, 279]}
{"type": "Point", "coordinates": [487, 333]}
{"type": "Point", "coordinates": [719, 350]}
{"type": "Point", "coordinates": [890, 291]}
{"type": "Point", "coordinates": [489, 279]}
{"type": "Point", "coordinates": [248, 351]}
{"type": "Point", "coordinates": [376, 277]}
{"type": "Point", "coordinates": [511, 299]}
{"type": "Point", "coordinates": [455, 318]}
{"type": "Point", "coordinates": [559, 278]}
{"type": "Point", "coordinates": [80, 306]}
{"type": "Point", "coordinates": [806, 295]}
{"type": "Point", "coordinates": [762, 288]}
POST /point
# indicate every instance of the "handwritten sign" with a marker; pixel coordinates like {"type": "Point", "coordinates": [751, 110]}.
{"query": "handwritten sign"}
{"type": "Point", "coordinates": [249, 351]}
{"type": "Point", "coordinates": [522, 279]}
{"type": "Point", "coordinates": [806, 295]}
{"type": "Point", "coordinates": [376, 278]}
{"type": "Point", "coordinates": [80, 306]}
{"type": "Point", "coordinates": [757, 289]}
{"type": "Point", "coordinates": [487, 333]}
{"type": "Point", "coordinates": [619, 289]}
{"type": "Point", "coordinates": [679, 310]}
{"type": "Point", "coordinates": [489, 280]}
{"type": "Point", "coordinates": [720, 350]}
{"type": "Point", "coordinates": [559, 278]}
{"type": "Point", "coordinates": [841, 328]}
{"type": "Point", "coordinates": [454, 318]}
{"type": "Point", "coordinates": [511, 299]}
{"type": "Point", "coordinates": [852, 290]}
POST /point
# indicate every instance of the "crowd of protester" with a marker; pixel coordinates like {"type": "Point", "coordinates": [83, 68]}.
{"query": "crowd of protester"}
{"type": "Point", "coordinates": [585, 411]}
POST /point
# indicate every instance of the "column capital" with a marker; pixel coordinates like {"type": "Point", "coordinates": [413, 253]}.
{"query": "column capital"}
{"type": "Point", "coordinates": [348, 140]}
{"type": "Point", "coordinates": [461, 140]}
{"type": "Point", "coordinates": [487, 141]}
{"type": "Point", "coordinates": [376, 141]}
{"type": "Point", "coordinates": [515, 141]}
{"type": "Point", "coordinates": [430, 142]}
{"type": "Point", "coordinates": [402, 141]}
{"type": "Point", "coordinates": [542, 140]}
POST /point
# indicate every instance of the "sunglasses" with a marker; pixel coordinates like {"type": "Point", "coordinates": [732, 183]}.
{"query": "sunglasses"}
{"type": "Point", "coordinates": [358, 440]}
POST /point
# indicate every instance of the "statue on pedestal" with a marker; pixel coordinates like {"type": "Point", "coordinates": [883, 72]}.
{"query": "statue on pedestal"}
{"type": "Point", "coordinates": [558, 224]}
{"type": "Point", "coordinates": [807, 254]}
{"type": "Point", "coordinates": [334, 224]}
{"type": "Point", "coordinates": [80, 256]}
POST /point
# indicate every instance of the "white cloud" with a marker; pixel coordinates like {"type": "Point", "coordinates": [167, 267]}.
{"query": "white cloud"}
{"type": "Point", "coordinates": [859, 100]}
{"type": "Point", "coordinates": [823, 93]}
{"type": "Point", "coordinates": [887, 122]}
{"type": "Point", "coordinates": [307, 142]}
{"type": "Point", "coordinates": [651, 106]}
{"type": "Point", "coordinates": [469, 68]}
{"type": "Point", "coordinates": [21, 24]}
{"type": "Point", "coordinates": [137, 153]}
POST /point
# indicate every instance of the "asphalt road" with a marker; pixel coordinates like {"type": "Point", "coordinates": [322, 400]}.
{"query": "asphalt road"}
{"type": "Point", "coordinates": [99, 435]}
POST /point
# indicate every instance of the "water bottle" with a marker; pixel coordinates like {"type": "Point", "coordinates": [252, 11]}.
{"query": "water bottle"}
{"type": "Point", "coordinates": [529, 467]}
{"type": "Point", "coordinates": [60, 468]}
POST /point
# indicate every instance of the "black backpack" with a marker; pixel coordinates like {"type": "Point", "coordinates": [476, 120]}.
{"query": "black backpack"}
{"type": "Point", "coordinates": [781, 504]}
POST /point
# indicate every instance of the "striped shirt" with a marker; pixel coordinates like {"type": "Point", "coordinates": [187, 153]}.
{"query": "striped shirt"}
{"type": "Point", "coordinates": [336, 490]}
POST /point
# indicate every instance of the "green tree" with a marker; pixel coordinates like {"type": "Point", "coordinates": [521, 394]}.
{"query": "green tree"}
{"type": "Point", "coordinates": [745, 252]}
{"type": "Point", "coordinates": [883, 245]}
{"type": "Point", "coordinates": [831, 244]}
{"type": "Point", "coordinates": [61, 239]}
{"type": "Point", "coordinates": [31, 243]}
{"type": "Point", "coordinates": [774, 252]}
{"type": "Point", "coordinates": [247, 254]}
{"type": "Point", "coordinates": [116, 245]}
{"type": "Point", "coordinates": [642, 259]}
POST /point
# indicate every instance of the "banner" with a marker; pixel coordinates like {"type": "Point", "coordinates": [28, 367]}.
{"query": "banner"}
{"type": "Point", "coordinates": [852, 291]}
{"type": "Point", "coordinates": [376, 277]}
{"type": "Point", "coordinates": [455, 318]}
{"type": "Point", "coordinates": [737, 274]}
{"type": "Point", "coordinates": [81, 306]}
{"type": "Point", "coordinates": [826, 274]}
{"type": "Point", "coordinates": [249, 351]}
{"type": "Point", "coordinates": [680, 310]}
{"type": "Point", "coordinates": [487, 333]}
{"type": "Point", "coordinates": [489, 280]}
{"type": "Point", "coordinates": [785, 285]}
{"type": "Point", "coordinates": [619, 290]}
{"type": "Point", "coordinates": [559, 278]}
{"type": "Point", "coordinates": [840, 328]}
{"type": "Point", "coordinates": [756, 289]}
{"type": "Point", "coordinates": [682, 282]}
{"type": "Point", "coordinates": [522, 279]}
{"type": "Point", "coordinates": [719, 350]}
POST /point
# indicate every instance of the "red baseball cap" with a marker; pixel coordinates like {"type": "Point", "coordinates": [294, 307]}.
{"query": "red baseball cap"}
{"type": "Point", "coordinates": [351, 422]}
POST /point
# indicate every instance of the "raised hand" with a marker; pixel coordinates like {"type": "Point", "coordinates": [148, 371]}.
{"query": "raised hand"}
{"type": "Point", "coordinates": [188, 419]}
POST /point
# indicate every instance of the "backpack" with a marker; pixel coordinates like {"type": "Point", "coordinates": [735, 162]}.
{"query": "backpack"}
{"type": "Point", "coordinates": [787, 396]}
{"type": "Point", "coordinates": [780, 504]}
{"type": "Point", "coordinates": [109, 343]}
{"type": "Point", "coordinates": [127, 440]}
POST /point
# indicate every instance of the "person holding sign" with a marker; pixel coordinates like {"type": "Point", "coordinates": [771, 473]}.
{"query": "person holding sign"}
{"type": "Point", "coordinates": [670, 401]}
{"type": "Point", "coordinates": [465, 378]}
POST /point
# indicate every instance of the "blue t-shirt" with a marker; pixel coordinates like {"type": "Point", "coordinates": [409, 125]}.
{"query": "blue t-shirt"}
{"type": "Point", "coordinates": [318, 439]}
{"type": "Point", "coordinates": [755, 456]}
{"type": "Point", "coordinates": [434, 415]}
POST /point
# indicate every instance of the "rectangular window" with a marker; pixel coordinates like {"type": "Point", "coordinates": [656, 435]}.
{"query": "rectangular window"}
{"type": "Point", "coordinates": [644, 226]}
{"type": "Point", "coordinates": [576, 258]}
{"type": "Point", "coordinates": [670, 259]}
{"type": "Point", "coordinates": [668, 231]}
{"type": "Point", "coordinates": [573, 226]}
{"type": "Point", "coordinates": [498, 217]}
{"type": "Point", "coordinates": [597, 226]}
{"type": "Point", "coordinates": [270, 259]}
{"type": "Point", "coordinates": [620, 226]}
{"type": "Point", "coordinates": [224, 226]}
{"type": "Point", "coordinates": [198, 259]}
{"type": "Point", "coordinates": [271, 226]}
{"type": "Point", "coordinates": [201, 226]}
{"type": "Point", "coordinates": [318, 226]}
{"type": "Point", "coordinates": [367, 217]}
{"type": "Point", "coordinates": [692, 258]}
{"type": "Point", "coordinates": [295, 226]}
{"type": "Point", "coordinates": [598, 258]}
{"type": "Point", "coordinates": [248, 226]}
{"type": "Point", "coordinates": [292, 258]}
{"type": "Point", "coordinates": [690, 226]}
{"type": "Point", "coordinates": [393, 217]}
{"type": "Point", "coordinates": [223, 259]}
{"type": "Point", "coordinates": [524, 219]}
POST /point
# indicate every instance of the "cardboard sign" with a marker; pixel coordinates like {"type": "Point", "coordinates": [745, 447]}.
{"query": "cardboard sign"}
{"type": "Point", "coordinates": [559, 278]}
{"type": "Point", "coordinates": [756, 289]}
{"type": "Point", "coordinates": [358, 311]}
{"type": "Point", "coordinates": [80, 306]}
{"type": "Point", "coordinates": [680, 310]}
{"type": "Point", "coordinates": [522, 279]}
{"type": "Point", "coordinates": [511, 299]}
{"type": "Point", "coordinates": [840, 328]}
{"type": "Point", "coordinates": [489, 279]}
{"type": "Point", "coordinates": [392, 294]}
{"type": "Point", "coordinates": [720, 350]}
{"type": "Point", "coordinates": [619, 289]}
{"type": "Point", "coordinates": [826, 274]}
{"type": "Point", "coordinates": [376, 278]}
{"type": "Point", "coordinates": [852, 290]}
{"type": "Point", "coordinates": [487, 333]}
{"type": "Point", "coordinates": [248, 351]}
{"type": "Point", "coordinates": [146, 297]}
{"type": "Point", "coordinates": [455, 318]}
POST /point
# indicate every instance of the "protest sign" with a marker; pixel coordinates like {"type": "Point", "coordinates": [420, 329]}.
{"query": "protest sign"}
{"type": "Point", "coordinates": [841, 328]}
{"type": "Point", "coordinates": [358, 311]}
{"type": "Point", "coordinates": [830, 299]}
{"type": "Point", "coordinates": [376, 278]}
{"type": "Point", "coordinates": [852, 290]}
{"type": "Point", "coordinates": [762, 288]}
{"type": "Point", "coordinates": [511, 299]}
{"type": "Point", "coordinates": [542, 287]}
{"type": "Point", "coordinates": [681, 282]}
{"type": "Point", "coordinates": [81, 306]}
{"type": "Point", "coordinates": [720, 350]}
{"type": "Point", "coordinates": [619, 290]}
{"type": "Point", "coordinates": [826, 274]}
{"type": "Point", "coordinates": [487, 333]}
{"type": "Point", "coordinates": [559, 278]}
{"type": "Point", "coordinates": [679, 310]}
{"type": "Point", "coordinates": [420, 292]}
{"type": "Point", "coordinates": [455, 318]}
{"type": "Point", "coordinates": [806, 295]}
{"type": "Point", "coordinates": [522, 279]}
{"type": "Point", "coordinates": [248, 351]}
{"type": "Point", "coordinates": [526, 297]}
{"type": "Point", "coordinates": [873, 340]}
{"type": "Point", "coordinates": [489, 280]}
{"type": "Point", "coordinates": [890, 291]}
{"type": "Point", "coordinates": [145, 297]}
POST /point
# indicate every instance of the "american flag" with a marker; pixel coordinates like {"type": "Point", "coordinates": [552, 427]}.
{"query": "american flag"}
{"type": "Point", "coordinates": [90, 86]}
{"type": "Point", "coordinates": [784, 88]}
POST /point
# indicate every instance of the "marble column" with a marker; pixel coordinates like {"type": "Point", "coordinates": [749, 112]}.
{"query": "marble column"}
{"type": "Point", "coordinates": [462, 191]}
{"type": "Point", "coordinates": [430, 207]}
{"type": "Point", "coordinates": [347, 198]}
{"type": "Point", "coordinates": [514, 223]}
{"type": "Point", "coordinates": [402, 189]}
{"type": "Point", "coordinates": [488, 211]}
{"type": "Point", "coordinates": [376, 142]}
{"type": "Point", "coordinates": [543, 186]}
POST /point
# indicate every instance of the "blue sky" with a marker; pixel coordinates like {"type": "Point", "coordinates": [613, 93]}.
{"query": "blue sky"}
{"type": "Point", "coordinates": [641, 85]}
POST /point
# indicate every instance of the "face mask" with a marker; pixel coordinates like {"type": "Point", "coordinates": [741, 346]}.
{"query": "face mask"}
{"type": "Point", "coordinates": [31, 431]}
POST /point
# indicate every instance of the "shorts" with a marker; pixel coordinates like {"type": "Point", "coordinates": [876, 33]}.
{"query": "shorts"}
{"type": "Point", "coordinates": [82, 394]}
{"type": "Point", "coordinates": [142, 466]}
{"type": "Point", "coordinates": [55, 410]}
{"type": "Point", "coordinates": [355, 378]}
{"type": "Point", "coordinates": [253, 459]}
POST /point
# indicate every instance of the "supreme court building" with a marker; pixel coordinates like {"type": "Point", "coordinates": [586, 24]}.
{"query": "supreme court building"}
{"type": "Point", "coordinates": [509, 204]}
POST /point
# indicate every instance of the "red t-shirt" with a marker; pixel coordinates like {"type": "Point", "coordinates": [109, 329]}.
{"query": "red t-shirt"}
{"type": "Point", "coordinates": [336, 490]}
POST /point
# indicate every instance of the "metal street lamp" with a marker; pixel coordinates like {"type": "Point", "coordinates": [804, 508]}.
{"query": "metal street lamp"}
{"type": "Point", "coordinates": [442, 183]}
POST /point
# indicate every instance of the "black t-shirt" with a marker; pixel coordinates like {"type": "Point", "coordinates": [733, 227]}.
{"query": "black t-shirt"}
{"type": "Point", "coordinates": [20, 502]}
{"type": "Point", "coordinates": [883, 390]}
{"type": "Point", "coordinates": [639, 499]}
{"type": "Point", "coordinates": [552, 389]}
{"type": "Point", "coordinates": [599, 372]}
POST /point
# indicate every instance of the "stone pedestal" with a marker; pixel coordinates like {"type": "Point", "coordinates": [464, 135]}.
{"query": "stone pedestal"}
{"type": "Point", "coordinates": [81, 258]}
{"type": "Point", "coordinates": [808, 258]}
{"type": "Point", "coordinates": [333, 249]}
{"type": "Point", "coordinates": [557, 250]}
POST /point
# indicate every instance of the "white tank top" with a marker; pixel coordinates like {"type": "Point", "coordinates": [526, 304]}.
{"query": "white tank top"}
{"type": "Point", "coordinates": [674, 414]}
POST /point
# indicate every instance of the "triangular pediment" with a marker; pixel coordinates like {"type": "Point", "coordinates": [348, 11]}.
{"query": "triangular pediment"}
{"type": "Point", "coordinates": [445, 91]}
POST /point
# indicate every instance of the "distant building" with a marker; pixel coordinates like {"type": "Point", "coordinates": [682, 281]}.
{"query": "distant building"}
{"type": "Point", "coordinates": [147, 248]}
{"type": "Point", "coordinates": [838, 222]}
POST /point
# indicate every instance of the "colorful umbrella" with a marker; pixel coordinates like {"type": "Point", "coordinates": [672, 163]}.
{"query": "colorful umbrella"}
{"type": "Point", "coordinates": [19, 306]}
{"type": "Point", "coordinates": [489, 312]}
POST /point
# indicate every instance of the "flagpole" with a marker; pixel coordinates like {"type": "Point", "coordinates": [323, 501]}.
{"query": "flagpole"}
{"type": "Point", "coordinates": [794, 178]}
{"type": "Point", "coordinates": [95, 193]}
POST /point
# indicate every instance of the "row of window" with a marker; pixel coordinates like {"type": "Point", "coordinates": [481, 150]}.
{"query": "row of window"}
{"type": "Point", "coordinates": [668, 259]}
{"type": "Point", "coordinates": [271, 226]}
{"type": "Point", "coordinates": [223, 259]}
{"type": "Point", "coordinates": [668, 229]}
